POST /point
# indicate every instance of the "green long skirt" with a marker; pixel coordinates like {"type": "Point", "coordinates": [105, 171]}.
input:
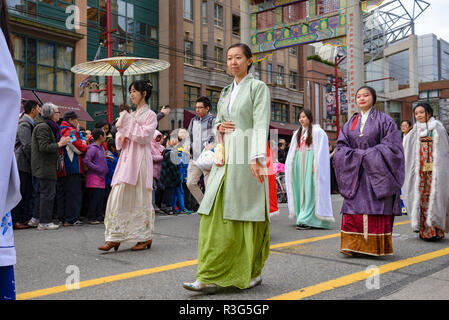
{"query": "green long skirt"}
{"type": "Point", "coordinates": [305, 209]}
{"type": "Point", "coordinates": [230, 253]}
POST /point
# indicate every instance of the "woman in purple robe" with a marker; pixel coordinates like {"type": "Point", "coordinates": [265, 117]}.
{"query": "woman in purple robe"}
{"type": "Point", "coordinates": [369, 167]}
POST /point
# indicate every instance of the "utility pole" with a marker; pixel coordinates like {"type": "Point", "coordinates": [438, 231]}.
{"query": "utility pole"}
{"type": "Point", "coordinates": [110, 107]}
{"type": "Point", "coordinates": [245, 22]}
{"type": "Point", "coordinates": [354, 36]}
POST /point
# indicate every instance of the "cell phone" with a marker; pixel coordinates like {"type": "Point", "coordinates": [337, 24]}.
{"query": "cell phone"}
{"type": "Point", "coordinates": [72, 136]}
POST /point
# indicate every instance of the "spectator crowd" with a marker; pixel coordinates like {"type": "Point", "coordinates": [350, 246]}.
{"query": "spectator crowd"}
{"type": "Point", "coordinates": [66, 170]}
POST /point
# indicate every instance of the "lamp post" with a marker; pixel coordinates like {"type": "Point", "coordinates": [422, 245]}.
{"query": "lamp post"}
{"type": "Point", "coordinates": [338, 59]}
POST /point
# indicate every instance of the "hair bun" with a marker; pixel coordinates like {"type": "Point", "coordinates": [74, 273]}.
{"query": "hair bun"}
{"type": "Point", "coordinates": [149, 84]}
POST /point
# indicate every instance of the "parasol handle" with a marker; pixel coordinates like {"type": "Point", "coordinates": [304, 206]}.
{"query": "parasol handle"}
{"type": "Point", "coordinates": [123, 88]}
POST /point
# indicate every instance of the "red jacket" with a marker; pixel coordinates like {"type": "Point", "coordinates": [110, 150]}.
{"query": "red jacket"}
{"type": "Point", "coordinates": [73, 163]}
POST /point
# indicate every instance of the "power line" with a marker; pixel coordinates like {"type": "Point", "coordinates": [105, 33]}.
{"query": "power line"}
{"type": "Point", "coordinates": [194, 56]}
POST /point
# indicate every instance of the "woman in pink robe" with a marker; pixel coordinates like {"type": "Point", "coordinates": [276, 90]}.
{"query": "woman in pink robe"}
{"type": "Point", "coordinates": [129, 211]}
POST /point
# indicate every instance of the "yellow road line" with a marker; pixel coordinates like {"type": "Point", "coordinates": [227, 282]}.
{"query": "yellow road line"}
{"type": "Point", "coordinates": [98, 281]}
{"type": "Point", "coordinates": [138, 273]}
{"type": "Point", "coordinates": [359, 276]}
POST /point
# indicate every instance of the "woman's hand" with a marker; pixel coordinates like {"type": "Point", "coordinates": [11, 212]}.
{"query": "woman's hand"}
{"type": "Point", "coordinates": [257, 170]}
{"type": "Point", "coordinates": [120, 119]}
{"type": "Point", "coordinates": [226, 127]}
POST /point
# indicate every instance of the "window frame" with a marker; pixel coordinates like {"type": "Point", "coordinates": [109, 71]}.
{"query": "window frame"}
{"type": "Point", "coordinates": [186, 57]}
{"type": "Point", "coordinates": [36, 64]}
{"type": "Point", "coordinates": [218, 19]}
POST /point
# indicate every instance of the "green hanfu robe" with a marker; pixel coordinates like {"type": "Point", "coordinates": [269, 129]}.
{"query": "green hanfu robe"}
{"type": "Point", "coordinates": [304, 190]}
{"type": "Point", "coordinates": [234, 235]}
{"type": "Point", "coordinates": [307, 180]}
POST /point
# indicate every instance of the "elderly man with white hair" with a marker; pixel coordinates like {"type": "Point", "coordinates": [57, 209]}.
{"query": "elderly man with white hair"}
{"type": "Point", "coordinates": [45, 144]}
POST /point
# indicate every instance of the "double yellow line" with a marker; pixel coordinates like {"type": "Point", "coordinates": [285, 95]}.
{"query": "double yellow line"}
{"type": "Point", "coordinates": [298, 294]}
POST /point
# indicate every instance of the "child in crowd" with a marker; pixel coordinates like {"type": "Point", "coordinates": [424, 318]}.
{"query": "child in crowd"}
{"type": "Point", "coordinates": [112, 160]}
{"type": "Point", "coordinates": [156, 151]}
{"type": "Point", "coordinates": [183, 153]}
{"type": "Point", "coordinates": [97, 168]}
{"type": "Point", "coordinates": [170, 174]}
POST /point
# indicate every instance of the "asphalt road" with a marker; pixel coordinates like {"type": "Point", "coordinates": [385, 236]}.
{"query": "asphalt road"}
{"type": "Point", "coordinates": [303, 264]}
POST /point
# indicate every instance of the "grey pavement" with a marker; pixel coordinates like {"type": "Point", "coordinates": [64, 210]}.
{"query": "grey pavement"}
{"type": "Point", "coordinates": [45, 259]}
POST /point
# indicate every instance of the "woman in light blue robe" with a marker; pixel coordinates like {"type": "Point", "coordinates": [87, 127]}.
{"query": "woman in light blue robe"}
{"type": "Point", "coordinates": [308, 176]}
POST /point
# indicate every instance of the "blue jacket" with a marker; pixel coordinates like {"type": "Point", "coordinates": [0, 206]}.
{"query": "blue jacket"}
{"type": "Point", "coordinates": [112, 164]}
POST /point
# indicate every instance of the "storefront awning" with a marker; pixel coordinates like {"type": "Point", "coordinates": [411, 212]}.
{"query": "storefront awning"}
{"type": "Point", "coordinates": [65, 103]}
{"type": "Point", "coordinates": [188, 116]}
{"type": "Point", "coordinates": [285, 129]}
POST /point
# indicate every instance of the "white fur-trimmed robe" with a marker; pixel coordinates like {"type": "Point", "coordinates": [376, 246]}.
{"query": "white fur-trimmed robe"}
{"type": "Point", "coordinates": [321, 164]}
{"type": "Point", "coordinates": [438, 210]}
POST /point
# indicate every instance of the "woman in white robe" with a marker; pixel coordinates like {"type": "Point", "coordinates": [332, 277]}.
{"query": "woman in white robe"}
{"type": "Point", "coordinates": [426, 186]}
{"type": "Point", "coordinates": [307, 176]}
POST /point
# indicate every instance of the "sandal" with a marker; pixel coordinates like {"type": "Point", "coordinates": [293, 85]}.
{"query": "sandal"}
{"type": "Point", "coordinates": [200, 287]}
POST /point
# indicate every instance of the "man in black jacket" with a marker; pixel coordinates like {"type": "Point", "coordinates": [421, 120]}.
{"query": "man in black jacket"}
{"type": "Point", "coordinates": [22, 150]}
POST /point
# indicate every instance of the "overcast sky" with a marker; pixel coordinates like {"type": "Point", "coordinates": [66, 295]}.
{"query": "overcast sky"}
{"type": "Point", "coordinates": [434, 20]}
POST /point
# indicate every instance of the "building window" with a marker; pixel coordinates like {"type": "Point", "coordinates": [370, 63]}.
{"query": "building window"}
{"type": "Point", "coordinates": [218, 57]}
{"type": "Point", "coordinates": [204, 55]}
{"type": "Point", "coordinates": [188, 52]}
{"type": "Point", "coordinates": [293, 51]}
{"type": "Point", "coordinates": [59, 3]}
{"type": "Point", "coordinates": [266, 19]}
{"type": "Point", "coordinates": [258, 71]}
{"type": "Point", "coordinates": [43, 65]}
{"type": "Point", "coordinates": [280, 76]}
{"type": "Point", "coordinates": [297, 111]}
{"type": "Point", "coordinates": [153, 33]}
{"type": "Point", "coordinates": [327, 6]}
{"type": "Point", "coordinates": [317, 103]}
{"type": "Point", "coordinates": [293, 80]}
{"type": "Point", "coordinates": [235, 25]}
{"type": "Point", "coordinates": [218, 15]}
{"type": "Point", "coordinates": [429, 94]}
{"type": "Point", "coordinates": [269, 73]}
{"type": "Point", "coordinates": [22, 7]}
{"type": "Point", "coordinates": [213, 96]}
{"type": "Point", "coordinates": [279, 112]}
{"type": "Point", "coordinates": [204, 11]}
{"type": "Point", "coordinates": [188, 9]}
{"type": "Point", "coordinates": [294, 12]}
{"type": "Point", "coordinates": [191, 94]}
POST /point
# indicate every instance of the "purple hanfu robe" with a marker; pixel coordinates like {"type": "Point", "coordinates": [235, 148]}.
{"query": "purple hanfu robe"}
{"type": "Point", "coordinates": [370, 168]}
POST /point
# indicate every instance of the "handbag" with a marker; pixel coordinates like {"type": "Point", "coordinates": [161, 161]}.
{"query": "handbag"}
{"type": "Point", "coordinates": [206, 159]}
{"type": "Point", "coordinates": [219, 152]}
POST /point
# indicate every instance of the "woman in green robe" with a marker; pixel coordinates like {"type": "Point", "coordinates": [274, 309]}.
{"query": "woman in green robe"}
{"type": "Point", "coordinates": [307, 176]}
{"type": "Point", "coordinates": [234, 236]}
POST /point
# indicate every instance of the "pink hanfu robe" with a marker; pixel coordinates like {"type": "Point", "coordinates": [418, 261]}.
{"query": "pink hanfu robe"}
{"type": "Point", "coordinates": [129, 210]}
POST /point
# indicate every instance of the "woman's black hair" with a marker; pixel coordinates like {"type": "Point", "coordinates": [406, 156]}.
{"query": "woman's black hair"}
{"type": "Point", "coordinates": [110, 144]}
{"type": "Point", "coordinates": [309, 116]}
{"type": "Point", "coordinates": [142, 86]}
{"type": "Point", "coordinates": [427, 108]}
{"type": "Point", "coordinates": [410, 124]}
{"type": "Point", "coordinates": [371, 90]}
{"type": "Point", "coordinates": [97, 133]}
{"type": "Point", "coordinates": [4, 24]}
{"type": "Point", "coordinates": [101, 123]}
{"type": "Point", "coordinates": [246, 51]}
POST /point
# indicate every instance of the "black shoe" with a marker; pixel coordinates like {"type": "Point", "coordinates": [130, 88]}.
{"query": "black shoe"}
{"type": "Point", "coordinates": [303, 227]}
